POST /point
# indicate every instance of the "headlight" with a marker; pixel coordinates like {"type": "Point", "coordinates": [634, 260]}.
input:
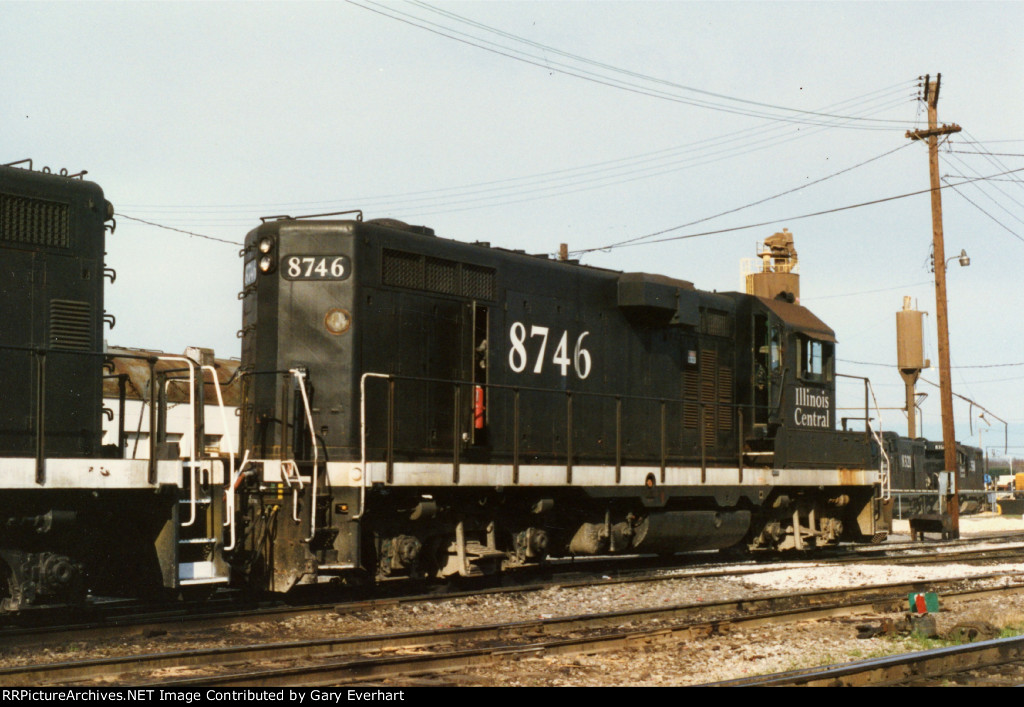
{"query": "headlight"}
{"type": "Point", "coordinates": [337, 321]}
{"type": "Point", "coordinates": [266, 263]}
{"type": "Point", "coordinates": [266, 245]}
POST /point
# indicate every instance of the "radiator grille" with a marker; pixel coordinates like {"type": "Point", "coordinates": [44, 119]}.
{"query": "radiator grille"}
{"type": "Point", "coordinates": [715, 323]}
{"type": "Point", "coordinates": [430, 274]}
{"type": "Point", "coordinates": [34, 221]}
{"type": "Point", "coordinates": [70, 325]}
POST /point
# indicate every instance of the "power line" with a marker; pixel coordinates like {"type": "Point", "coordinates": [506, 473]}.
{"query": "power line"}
{"type": "Point", "coordinates": [993, 160]}
{"type": "Point", "coordinates": [961, 176]}
{"type": "Point", "coordinates": [626, 72]}
{"type": "Point", "coordinates": [170, 228]}
{"type": "Point", "coordinates": [991, 154]}
{"type": "Point", "coordinates": [893, 365]}
{"type": "Point", "coordinates": [979, 208]}
{"type": "Point", "coordinates": [774, 221]}
{"type": "Point", "coordinates": [868, 292]}
{"type": "Point", "coordinates": [560, 182]}
{"type": "Point", "coordinates": [671, 157]}
{"type": "Point", "coordinates": [770, 198]}
{"type": "Point", "coordinates": [586, 75]}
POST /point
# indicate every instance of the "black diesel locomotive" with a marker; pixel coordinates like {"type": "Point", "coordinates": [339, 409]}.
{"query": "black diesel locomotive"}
{"type": "Point", "coordinates": [420, 406]}
{"type": "Point", "coordinates": [916, 465]}
{"type": "Point", "coordinates": [411, 406]}
{"type": "Point", "coordinates": [73, 517]}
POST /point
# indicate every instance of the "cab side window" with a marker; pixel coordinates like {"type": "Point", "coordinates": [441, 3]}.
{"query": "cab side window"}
{"type": "Point", "coordinates": [775, 350]}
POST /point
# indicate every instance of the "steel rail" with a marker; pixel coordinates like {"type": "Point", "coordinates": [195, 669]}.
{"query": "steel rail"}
{"type": "Point", "coordinates": [184, 618]}
{"type": "Point", "coordinates": [605, 632]}
{"type": "Point", "coordinates": [903, 669]}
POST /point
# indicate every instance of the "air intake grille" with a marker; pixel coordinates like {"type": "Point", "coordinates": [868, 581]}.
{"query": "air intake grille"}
{"type": "Point", "coordinates": [403, 269]}
{"type": "Point", "coordinates": [690, 408]}
{"type": "Point", "coordinates": [442, 276]}
{"type": "Point", "coordinates": [478, 282]}
{"type": "Point", "coordinates": [70, 325]}
{"type": "Point", "coordinates": [34, 221]}
{"type": "Point", "coordinates": [447, 277]}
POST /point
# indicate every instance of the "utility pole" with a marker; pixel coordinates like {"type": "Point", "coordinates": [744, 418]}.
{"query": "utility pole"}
{"type": "Point", "coordinates": [931, 98]}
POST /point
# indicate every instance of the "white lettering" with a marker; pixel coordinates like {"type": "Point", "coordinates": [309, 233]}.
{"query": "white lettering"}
{"type": "Point", "coordinates": [811, 419]}
{"type": "Point", "coordinates": [518, 355]}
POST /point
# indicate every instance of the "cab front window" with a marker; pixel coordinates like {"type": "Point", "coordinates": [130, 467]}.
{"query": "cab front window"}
{"type": "Point", "coordinates": [815, 360]}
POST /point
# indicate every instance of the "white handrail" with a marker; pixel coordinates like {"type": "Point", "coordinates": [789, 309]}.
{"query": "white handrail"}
{"type": "Point", "coordinates": [301, 377]}
{"type": "Point", "coordinates": [231, 456]}
{"type": "Point", "coordinates": [362, 440]}
{"type": "Point", "coordinates": [287, 467]}
{"type": "Point", "coordinates": [193, 500]}
{"type": "Point", "coordinates": [230, 493]}
{"type": "Point", "coordinates": [227, 430]}
{"type": "Point", "coordinates": [886, 464]}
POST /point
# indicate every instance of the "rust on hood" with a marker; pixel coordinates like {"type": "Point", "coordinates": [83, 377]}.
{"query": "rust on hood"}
{"type": "Point", "coordinates": [126, 361]}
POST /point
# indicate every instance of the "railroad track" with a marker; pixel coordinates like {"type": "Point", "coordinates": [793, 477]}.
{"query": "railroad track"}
{"type": "Point", "coordinates": [123, 618]}
{"type": "Point", "coordinates": [384, 657]}
{"type": "Point", "coordinates": [998, 662]}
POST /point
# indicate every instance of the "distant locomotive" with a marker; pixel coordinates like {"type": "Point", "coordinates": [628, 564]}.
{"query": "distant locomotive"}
{"type": "Point", "coordinates": [915, 467]}
{"type": "Point", "coordinates": [411, 406]}
{"type": "Point", "coordinates": [420, 406]}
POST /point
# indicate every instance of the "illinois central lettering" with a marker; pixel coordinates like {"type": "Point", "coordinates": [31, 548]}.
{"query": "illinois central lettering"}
{"type": "Point", "coordinates": [812, 409]}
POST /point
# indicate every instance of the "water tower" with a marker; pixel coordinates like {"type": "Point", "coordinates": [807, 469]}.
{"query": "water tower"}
{"type": "Point", "coordinates": [910, 356]}
{"type": "Point", "coordinates": [774, 272]}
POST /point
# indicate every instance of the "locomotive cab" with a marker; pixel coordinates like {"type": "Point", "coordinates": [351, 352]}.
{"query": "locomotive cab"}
{"type": "Point", "coordinates": [792, 392]}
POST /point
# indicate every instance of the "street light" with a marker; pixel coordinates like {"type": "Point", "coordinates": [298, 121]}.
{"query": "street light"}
{"type": "Point", "coordinates": [962, 259]}
{"type": "Point", "coordinates": [982, 429]}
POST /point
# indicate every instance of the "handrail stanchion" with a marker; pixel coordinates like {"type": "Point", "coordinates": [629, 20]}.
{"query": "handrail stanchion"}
{"type": "Point", "coordinates": [703, 451]}
{"type": "Point", "coordinates": [456, 434]}
{"type": "Point", "coordinates": [618, 438]}
{"type": "Point", "coordinates": [885, 464]}
{"type": "Point", "coordinates": [362, 441]}
{"type": "Point", "coordinates": [193, 499]}
{"type": "Point", "coordinates": [568, 437]}
{"type": "Point", "coordinates": [389, 453]}
{"type": "Point", "coordinates": [151, 361]}
{"type": "Point", "coordinates": [300, 375]}
{"type": "Point", "coordinates": [515, 435]}
{"type": "Point", "coordinates": [664, 441]}
{"type": "Point", "coordinates": [229, 480]}
{"type": "Point", "coordinates": [739, 437]}
{"type": "Point", "coordinates": [40, 356]}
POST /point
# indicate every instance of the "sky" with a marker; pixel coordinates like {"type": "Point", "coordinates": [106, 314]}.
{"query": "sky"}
{"type": "Point", "coordinates": [530, 124]}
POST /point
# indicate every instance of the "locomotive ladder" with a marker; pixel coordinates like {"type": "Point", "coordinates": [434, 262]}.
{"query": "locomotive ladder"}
{"type": "Point", "coordinates": [198, 542]}
{"type": "Point", "coordinates": [198, 555]}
